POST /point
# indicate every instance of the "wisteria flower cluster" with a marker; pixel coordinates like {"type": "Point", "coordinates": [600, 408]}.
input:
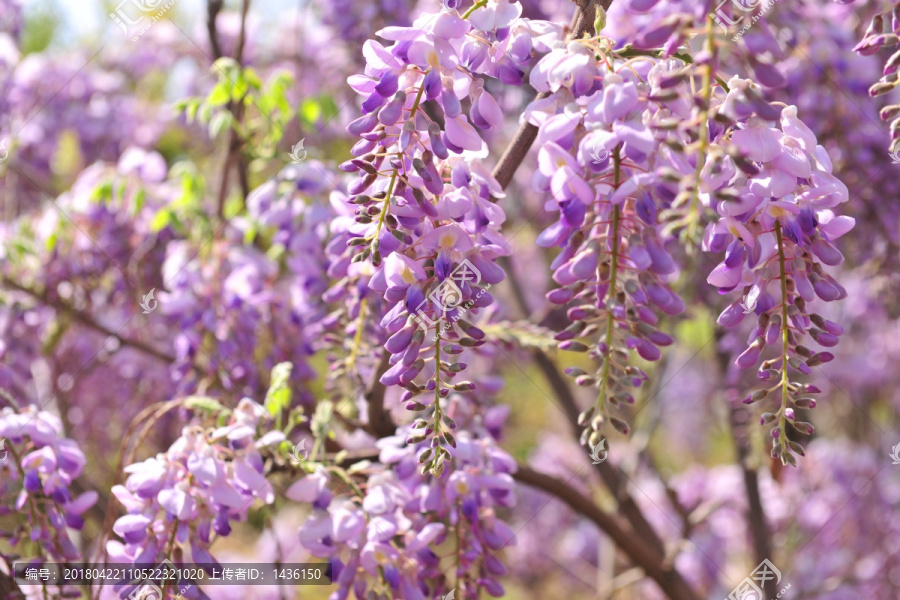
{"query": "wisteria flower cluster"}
{"type": "Point", "coordinates": [38, 470]}
{"type": "Point", "coordinates": [779, 235]}
{"type": "Point", "coordinates": [390, 537]}
{"type": "Point", "coordinates": [324, 307]}
{"type": "Point", "coordinates": [882, 33]}
{"type": "Point", "coordinates": [433, 244]}
{"type": "Point", "coordinates": [191, 494]}
{"type": "Point", "coordinates": [614, 267]}
{"type": "Point", "coordinates": [608, 160]}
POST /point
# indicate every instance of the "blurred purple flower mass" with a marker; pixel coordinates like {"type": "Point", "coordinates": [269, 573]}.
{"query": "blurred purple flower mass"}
{"type": "Point", "coordinates": [450, 299]}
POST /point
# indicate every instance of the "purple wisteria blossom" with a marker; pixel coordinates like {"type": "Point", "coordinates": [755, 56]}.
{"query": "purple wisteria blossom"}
{"type": "Point", "coordinates": [386, 540]}
{"type": "Point", "coordinates": [187, 496]}
{"type": "Point", "coordinates": [37, 473]}
{"type": "Point", "coordinates": [285, 284]}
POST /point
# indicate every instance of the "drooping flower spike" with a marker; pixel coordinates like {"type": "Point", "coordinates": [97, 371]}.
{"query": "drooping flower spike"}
{"type": "Point", "coordinates": [37, 473]}
{"type": "Point", "coordinates": [628, 163]}
{"type": "Point", "coordinates": [426, 221]}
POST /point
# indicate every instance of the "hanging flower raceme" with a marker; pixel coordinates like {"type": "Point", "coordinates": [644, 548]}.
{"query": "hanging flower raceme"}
{"type": "Point", "coordinates": [425, 222]}
{"type": "Point", "coordinates": [616, 133]}
{"type": "Point", "coordinates": [181, 498]}
{"type": "Point", "coordinates": [596, 160]}
{"type": "Point", "coordinates": [884, 32]}
{"type": "Point", "coordinates": [385, 539]}
{"type": "Point", "coordinates": [38, 469]}
{"type": "Point", "coordinates": [778, 238]}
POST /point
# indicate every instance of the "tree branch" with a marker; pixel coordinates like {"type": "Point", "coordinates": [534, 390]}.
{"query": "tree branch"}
{"type": "Point", "coordinates": [613, 477]}
{"type": "Point", "coordinates": [587, 13]}
{"type": "Point", "coordinates": [654, 565]}
{"type": "Point", "coordinates": [243, 163]}
{"type": "Point", "coordinates": [380, 422]}
{"type": "Point", "coordinates": [86, 320]}
{"type": "Point", "coordinates": [234, 143]}
{"type": "Point", "coordinates": [518, 148]}
{"type": "Point", "coordinates": [738, 419]}
{"type": "Point", "coordinates": [9, 589]}
{"type": "Point", "coordinates": [524, 137]}
{"type": "Point", "coordinates": [213, 8]}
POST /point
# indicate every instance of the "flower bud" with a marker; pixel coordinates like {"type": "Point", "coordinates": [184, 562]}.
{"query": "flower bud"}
{"type": "Point", "coordinates": [805, 403]}
{"type": "Point", "coordinates": [586, 415]}
{"type": "Point", "coordinates": [620, 425]}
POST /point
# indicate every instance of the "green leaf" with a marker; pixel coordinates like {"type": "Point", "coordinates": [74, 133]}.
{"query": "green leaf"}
{"type": "Point", "coordinates": [309, 111]}
{"type": "Point", "coordinates": [102, 193]}
{"type": "Point", "coordinates": [278, 398]}
{"type": "Point", "coordinates": [250, 235]}
{"type": "Point", "coordinates": [220, 95]}
{"type": "Point", "coordinates": [139, 199]}
{"type": "Point", "coordinates": [322, 417]}
{"type": "Point", "coordinates": [234, 205]}
{"type": "Point", "coordinates": [227, 67]}
{"type": "Point", "coordinates": [357, 467]}
{"type": "Point", "coordinates": [314, 110]}
{"type": "Point", "coordinates": [205, 404]}
{"type": "Point", "coordinates": [191, 111]}
{"type": "Point", "coordinates": [330, 107]}
{"type": "Point", "coordinates": [251, 77]}
{"type": "Point", "coordinates": [205, 113]}
{"type": "Point", "coordinates": [240, 92]}
{"type": "Point", "coordinates": [296, 417]}
{"type": "Point", "coordinates": [189, 106]}
{"type": "Point", "coordinates": [220, 122]}
{"type": "Point", "coordinates": [51, 242]}
{"type": "Point", "coordinates": [161, 220]}
{"type": "Point", "coordinates": [600, 21]}
{"type": "Point", "coordinates": [522, 333]}
{"type": "Point", "coordinates": [276, 251]}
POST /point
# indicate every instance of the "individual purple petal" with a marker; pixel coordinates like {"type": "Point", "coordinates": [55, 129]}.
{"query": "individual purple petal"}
{"type": "Point", "coordinates": [758, 141]}
{"type": "Point", "coordinates": [827, 253]}
{"type": "Point", "coordinates": [748, 357]}
{"type": "Point", "coordinates": [462, 134]}
{"type": "Point", "coordinates": [723, 277]}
